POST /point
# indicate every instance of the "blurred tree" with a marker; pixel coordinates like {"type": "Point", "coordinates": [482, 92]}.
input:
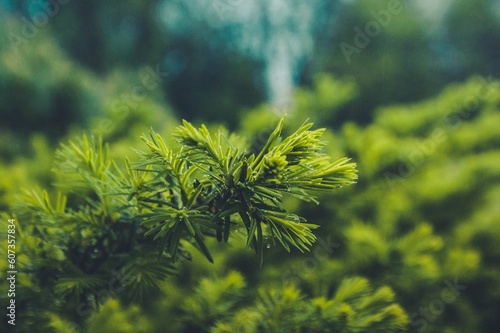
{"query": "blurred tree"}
{"type": "Point", "coordinates": [472, 29]}
{"type": "Point", "coordinates": [382, 46]}
{"type": "Point", "coordinates": [202, 76]}
{"type": "Point", "coordinates": [386, 47]}
{"type": "Point", "coordinates": [102, 35]}
{"type": "Point", "coordinates": [208, 80]}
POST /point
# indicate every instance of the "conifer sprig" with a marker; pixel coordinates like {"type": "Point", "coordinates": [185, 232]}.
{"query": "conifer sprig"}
{"type": "Point", "coordinates": [106, 214]}
{"type": "Point", "coordinates": [211, 185]}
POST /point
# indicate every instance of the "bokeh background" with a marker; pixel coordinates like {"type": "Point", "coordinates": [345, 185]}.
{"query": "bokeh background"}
{"type": "Point", "coordinates": [408, 89]}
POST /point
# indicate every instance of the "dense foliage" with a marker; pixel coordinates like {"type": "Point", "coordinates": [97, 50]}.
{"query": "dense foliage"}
{"type": "Point", "coordinates": [202, 229]}
{"type": "Point", "coordinates": [419, 227]}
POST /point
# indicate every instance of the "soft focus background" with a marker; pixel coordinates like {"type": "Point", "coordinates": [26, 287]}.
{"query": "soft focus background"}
{"type": "Point", "coordinates": [408, 89]}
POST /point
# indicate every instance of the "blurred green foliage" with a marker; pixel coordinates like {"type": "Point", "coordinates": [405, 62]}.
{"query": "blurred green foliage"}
{"type": "Point", "coordinates": [44, 91]}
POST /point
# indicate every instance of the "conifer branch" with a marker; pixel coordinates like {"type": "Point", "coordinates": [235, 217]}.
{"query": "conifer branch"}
{"type": "Point", "coordinates": [104, 214]}
{"type": "Point", "coordinates": [211, 182]}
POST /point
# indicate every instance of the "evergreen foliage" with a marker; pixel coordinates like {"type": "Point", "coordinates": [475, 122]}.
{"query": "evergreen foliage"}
{"type": "Point", "coordinates": [135, 219]}
{"type": "Point", "coordinates": [354, 308]}
{"type": "Point", "coordinates": [415, 241]}
{"type": "Point", "coordinates": [117, 239]}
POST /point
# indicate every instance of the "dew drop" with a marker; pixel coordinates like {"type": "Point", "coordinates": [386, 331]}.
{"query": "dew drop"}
{"type": "Point", "coordinates": [268, 246]}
